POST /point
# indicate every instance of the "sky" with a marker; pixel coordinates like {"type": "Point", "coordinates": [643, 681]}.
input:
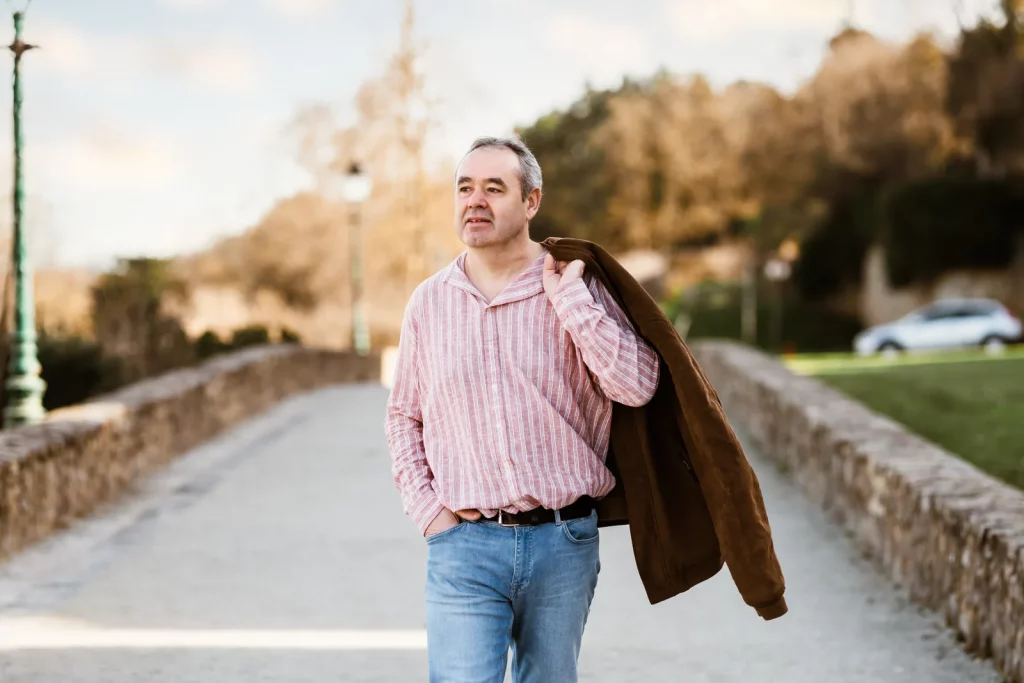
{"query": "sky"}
{"type": "Point", "coordinates": [154, 127]}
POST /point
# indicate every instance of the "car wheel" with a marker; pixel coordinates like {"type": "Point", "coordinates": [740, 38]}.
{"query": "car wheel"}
{"type": "Point", "coordinates": [994, 344]}
{"type": "Point", "coordinates": [889, 349]}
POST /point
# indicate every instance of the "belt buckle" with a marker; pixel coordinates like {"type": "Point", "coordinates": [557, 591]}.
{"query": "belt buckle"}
{"type": "Point", "coordinates": [502, 522]}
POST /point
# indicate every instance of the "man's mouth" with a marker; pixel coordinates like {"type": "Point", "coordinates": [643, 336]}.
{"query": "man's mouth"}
{"type": "Point", "coordinates": [477, 220]}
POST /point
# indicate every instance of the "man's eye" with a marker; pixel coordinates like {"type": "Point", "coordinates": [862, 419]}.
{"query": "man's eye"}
{"type": "Point", "coordinates": [494, 189]}
{"type": "Point", "coordinates": [463, 189]}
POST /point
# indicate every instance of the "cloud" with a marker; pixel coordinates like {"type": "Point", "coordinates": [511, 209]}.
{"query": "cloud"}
{"type": "Point", "coordinates": [191, 4]}
{"type": "Point", "coordinates": [65, 49]}
{"type": "Point", "coordinates": [103, 157]}
{"type": "Point", "coordinates": [706, 20]}
{"type": "Point", "coordinates": [299, 9]}
{"type": "Point", "coordinates": [223, 66]}
{"type": "Point", "coordinates": [602, 47]}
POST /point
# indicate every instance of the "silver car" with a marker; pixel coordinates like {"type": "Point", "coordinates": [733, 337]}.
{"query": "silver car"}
{"type": "Point", "coordinates": [945, 324]}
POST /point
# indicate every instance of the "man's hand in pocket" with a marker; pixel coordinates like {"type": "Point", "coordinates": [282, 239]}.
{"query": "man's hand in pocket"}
{"type": "Point", "coordinates": [446, 519]}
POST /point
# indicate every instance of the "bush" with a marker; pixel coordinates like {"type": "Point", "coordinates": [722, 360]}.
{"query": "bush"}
{"type": "Point", "coordinates": [209, 344]}
{"type": "Point", "coordinates": [131, 320]}
{"type": "Point", "coordinates": [249, 336]}
{"type": "Point", "coordinates": [75, 370]}
{"type": "Point", "coordinates": [832, 255]}
{"type": "Point", "coordinates": [943, 224]}
{"type": "Point", "coordinates": [714, 311]}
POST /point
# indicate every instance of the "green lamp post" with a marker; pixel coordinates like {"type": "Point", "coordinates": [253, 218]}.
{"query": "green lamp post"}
{"type": "Point", "coordinates": [354, 188]}
{"type": "Point", "coordinates": [357, 187]}
{"type": "Point", "coordinates": [24, 386]}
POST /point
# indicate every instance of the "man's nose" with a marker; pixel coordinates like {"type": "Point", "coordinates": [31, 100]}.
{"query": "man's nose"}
{"type": "Point", "coordinates": [477, 199]}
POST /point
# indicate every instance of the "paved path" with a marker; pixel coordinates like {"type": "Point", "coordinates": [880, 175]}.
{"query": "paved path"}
{"type": "Point", "coordinates": [279, 553]}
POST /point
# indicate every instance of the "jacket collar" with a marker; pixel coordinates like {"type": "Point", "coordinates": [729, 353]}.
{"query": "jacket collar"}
{"type": "Point", "coordinates": [525, 285]}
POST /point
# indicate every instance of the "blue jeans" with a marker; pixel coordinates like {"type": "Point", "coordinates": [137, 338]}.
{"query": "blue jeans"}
{"type": "Point", "coordinates": [491, 587]}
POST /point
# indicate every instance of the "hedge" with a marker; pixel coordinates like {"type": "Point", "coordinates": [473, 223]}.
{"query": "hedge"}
{"type": "Point", "coordinates": [943, 224]}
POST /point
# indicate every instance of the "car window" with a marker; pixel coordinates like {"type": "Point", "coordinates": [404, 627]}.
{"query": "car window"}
{"type": "Point", "coordinates": [976, 310]}
{"type": "Point", "coordinates": [937, 313]}
{"type": "Point", "coordinates": [986, 308]}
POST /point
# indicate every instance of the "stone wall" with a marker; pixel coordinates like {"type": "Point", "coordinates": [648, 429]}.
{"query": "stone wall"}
{"type": "Point", "coordinates": [83, 455]}
{"type": "Point", "coordinates": [946, 532]}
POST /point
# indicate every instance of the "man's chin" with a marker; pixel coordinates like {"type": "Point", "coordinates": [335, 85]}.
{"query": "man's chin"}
{"type": "Point", "coordinates": [477, 240]}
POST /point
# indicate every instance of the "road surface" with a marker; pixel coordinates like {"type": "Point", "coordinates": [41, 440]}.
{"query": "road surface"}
{"type": "Point", "coordinates": [279, 552]}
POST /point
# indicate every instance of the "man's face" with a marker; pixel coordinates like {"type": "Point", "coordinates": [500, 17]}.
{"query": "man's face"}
{"type": "Point", "coordinates": [489, 205]}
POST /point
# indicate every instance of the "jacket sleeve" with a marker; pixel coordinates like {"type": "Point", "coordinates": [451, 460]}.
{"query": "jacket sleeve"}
{"type": "Point", "coordinates": [732, 491]}
{"type": "Point", "coordinates": [625, 366]}
{"type": "Point", "coordinates": [403, 425]}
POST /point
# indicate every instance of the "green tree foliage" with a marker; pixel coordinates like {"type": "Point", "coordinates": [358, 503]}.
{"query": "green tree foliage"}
{"type": "Point", "coordinates": [833, 252]}
{"type": "Point", "coordinates": [938, 225]}
{"type": "Point", "coordinates": [76, 369]}
{"type": "Point", "coordinates": [986, 92]}
{"type": "Point", "coordinates": [670, 162]}
{"type": "Point", "coordinates": [713, 312]}
{"type": "Point", "coordinates": [576, 184]}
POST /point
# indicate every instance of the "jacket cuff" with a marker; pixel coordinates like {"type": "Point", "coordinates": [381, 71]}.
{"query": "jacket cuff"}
{"type": "Point", "coordinates": [773, 610]}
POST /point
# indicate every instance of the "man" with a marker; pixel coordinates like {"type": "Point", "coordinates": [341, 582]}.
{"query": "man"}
{"type": "Point", "coordinates": [498, 425]}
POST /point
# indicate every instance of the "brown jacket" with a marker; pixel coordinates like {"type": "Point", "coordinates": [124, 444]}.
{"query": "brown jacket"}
{"type": "Point", "coordinates": [685, 487]}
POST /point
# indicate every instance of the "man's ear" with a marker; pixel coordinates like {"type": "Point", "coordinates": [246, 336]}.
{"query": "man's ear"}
{"type": "Point", "coordinates": [533, 203]}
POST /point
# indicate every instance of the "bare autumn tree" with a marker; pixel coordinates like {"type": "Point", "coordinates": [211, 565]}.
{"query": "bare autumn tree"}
{"type": "Point", "coordinates": [880, 107]}
{"type": "Point", "coordinates": [872, 116]}
{"type": "Point", "coordinates": [301, 251]}
{"type": "Point", "coordinates": [627, 139]}
{"type": "Point", "coordinates": [293, 252]}
{"type": "Point", "coordinates": [408, 219]}
{"type": "Point", "coordinates": [675, 159]}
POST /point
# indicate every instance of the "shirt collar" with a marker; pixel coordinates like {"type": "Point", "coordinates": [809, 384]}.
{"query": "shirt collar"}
{"type": "Point", "coordinates": [525, 285]}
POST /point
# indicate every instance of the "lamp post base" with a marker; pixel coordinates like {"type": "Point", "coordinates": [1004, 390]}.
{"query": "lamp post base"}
{"type": "Point", "coordinates": [24, 401]}
{"type": "Point", "coordinates": [361, 340]}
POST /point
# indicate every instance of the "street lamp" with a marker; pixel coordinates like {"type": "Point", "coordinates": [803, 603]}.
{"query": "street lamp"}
{"type": "Point", "coordinates": [354, 188]}
{"type": "Point", "coordinates": [778, 269]}
{"type": "Point", "coordinates": [24, 385]}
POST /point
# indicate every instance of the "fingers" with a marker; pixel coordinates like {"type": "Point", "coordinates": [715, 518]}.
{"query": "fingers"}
{"type": "Point", "coordinates": [574, 269]}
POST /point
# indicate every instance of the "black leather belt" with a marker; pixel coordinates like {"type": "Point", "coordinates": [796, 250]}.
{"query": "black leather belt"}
{"type": "Point", "coordinates": [578, 509]}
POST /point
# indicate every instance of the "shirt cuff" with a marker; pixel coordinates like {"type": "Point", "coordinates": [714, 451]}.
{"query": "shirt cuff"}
{"type": "Point", "coordinates": [576, 295]}
{"type": "Point", "coordinates": [425, 512]}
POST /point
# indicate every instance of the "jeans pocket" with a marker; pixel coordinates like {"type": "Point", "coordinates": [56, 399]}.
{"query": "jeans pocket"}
{"type": "Point", "coordinates": [582, 531]}
{"type": "Point", "coordinates": [447, 532]}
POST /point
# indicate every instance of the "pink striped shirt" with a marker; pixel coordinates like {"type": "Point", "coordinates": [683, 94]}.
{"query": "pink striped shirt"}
{"type": "Point", "coordinates": [507, 405]}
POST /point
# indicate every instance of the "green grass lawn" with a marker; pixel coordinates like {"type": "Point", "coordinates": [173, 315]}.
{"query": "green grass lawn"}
{"type": "Point", "coordinates": [969, 403]}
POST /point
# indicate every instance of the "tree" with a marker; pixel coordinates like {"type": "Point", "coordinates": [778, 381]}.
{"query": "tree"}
{"type": "Point", "coordinates": [880, 109]}
{"type": "Point", "coordinates": [576, 182]}
{"type": "Point", "coordinates": [301, 250]}
{"type": "Point", "coordinates": [294, 252]}
{"type": "Point", "coordinates": [986, 92]}
{"type": "Point", "coordinates": [130, 317]}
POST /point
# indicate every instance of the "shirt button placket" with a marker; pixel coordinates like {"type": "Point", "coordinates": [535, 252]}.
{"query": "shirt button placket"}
{"type": "Point", "coordinates": [499, 416]}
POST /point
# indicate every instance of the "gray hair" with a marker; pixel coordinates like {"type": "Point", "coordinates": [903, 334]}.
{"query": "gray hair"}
{"type": "Point", "coordinates": [530, 177]}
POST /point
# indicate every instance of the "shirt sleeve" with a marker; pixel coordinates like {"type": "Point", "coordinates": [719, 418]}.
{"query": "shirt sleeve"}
{"type": "Point", "coordinates": [403, 424]}
{"type": "Point", "coordinates": [626, 367]}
